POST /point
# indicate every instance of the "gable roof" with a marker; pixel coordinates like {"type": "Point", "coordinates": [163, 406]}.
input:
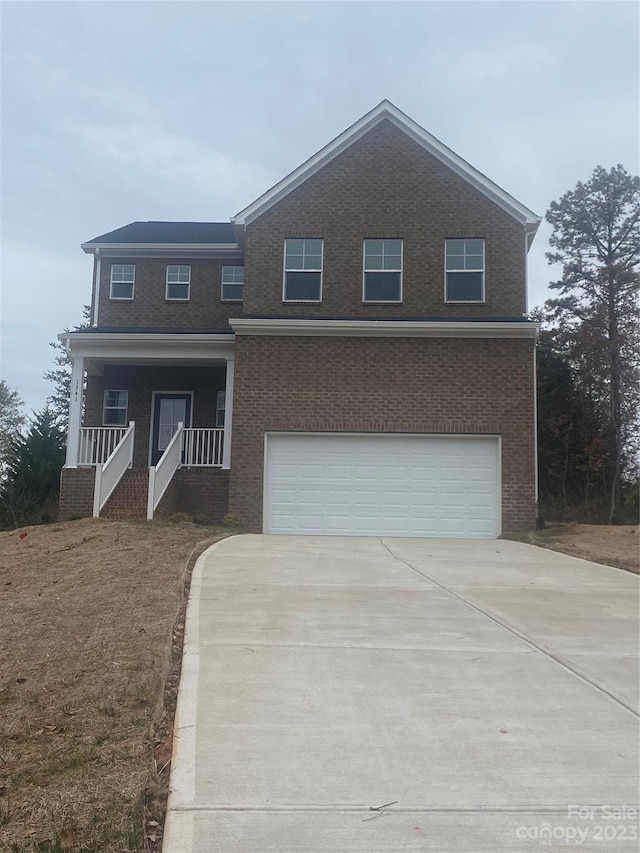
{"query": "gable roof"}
{"type": "Point", "coordinates": [167, 233]}
{"type": "Point", "coordinates": [388, 111]}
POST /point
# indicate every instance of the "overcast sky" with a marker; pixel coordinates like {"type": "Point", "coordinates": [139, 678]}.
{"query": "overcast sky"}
{"type": "Point", "coordinates": [118, 111]}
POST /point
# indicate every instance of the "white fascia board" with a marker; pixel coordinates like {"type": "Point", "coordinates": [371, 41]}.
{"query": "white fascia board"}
{"type": "Point", "coordinates": [387, 110]}
{"type": "Point", "coordinates": [163, 249]}
{"type": "Point", "coordinates": [385, 328]}
{"type": "Point", "coordinates": [122, 347]}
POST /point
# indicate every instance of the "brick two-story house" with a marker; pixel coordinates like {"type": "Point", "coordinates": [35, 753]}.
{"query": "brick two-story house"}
{"type": "Point", "coordinates": [349, 355]}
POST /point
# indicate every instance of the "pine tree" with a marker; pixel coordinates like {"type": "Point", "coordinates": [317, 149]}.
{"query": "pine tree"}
{"type": "Point", "coordinates": [596, 238]}
{"type": "Point", "coordinates": [31, 480]}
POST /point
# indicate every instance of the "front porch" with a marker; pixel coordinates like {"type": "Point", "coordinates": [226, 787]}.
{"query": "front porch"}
{"type": "Point", "coordinates": [152, 434]}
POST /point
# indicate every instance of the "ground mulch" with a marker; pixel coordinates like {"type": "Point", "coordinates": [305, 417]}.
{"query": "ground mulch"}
{"type": "Point", "coordinates": [90, 647]}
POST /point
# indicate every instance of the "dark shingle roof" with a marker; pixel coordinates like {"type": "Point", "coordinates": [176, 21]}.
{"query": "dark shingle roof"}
{"type": "Point", "coordinates": [170, 232]}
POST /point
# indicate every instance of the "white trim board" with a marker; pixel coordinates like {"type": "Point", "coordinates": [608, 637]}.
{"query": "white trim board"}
{"type": "Point", "coordinates": [388, 111]}
{"type": "Point", "coordinates": [384, 328]}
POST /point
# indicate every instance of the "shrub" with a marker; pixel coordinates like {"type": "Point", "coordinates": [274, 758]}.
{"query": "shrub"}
{"type": "Point", "coordinates": [232, 520]}
{"type": "Point", "coordinates": [179, 518]}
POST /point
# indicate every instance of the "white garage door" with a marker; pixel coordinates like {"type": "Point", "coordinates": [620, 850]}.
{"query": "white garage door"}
{"type": "Point", "coordinates": [381, 485]}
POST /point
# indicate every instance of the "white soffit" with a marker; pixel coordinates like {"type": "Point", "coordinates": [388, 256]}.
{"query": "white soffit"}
{"type": "Point", "coordinates": [387, 110]}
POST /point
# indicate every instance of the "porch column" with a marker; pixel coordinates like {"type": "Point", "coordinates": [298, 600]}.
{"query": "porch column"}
{"type": "Point", "coordinates": [75, 412]}
{"type": "Point", "coordinates": [228, 414]}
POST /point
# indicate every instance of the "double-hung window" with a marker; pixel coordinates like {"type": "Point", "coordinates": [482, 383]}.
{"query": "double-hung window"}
{"type": "Point", "coordinates": [302, 271]}
{"type": "Point", "coordinates": [123, 277]}
{"type": "Point", "coordinates": [232, 284]}
{"type": "Point", "coordinates": [220, 407]}
{"type": "Point", "coordinates": [464, 271]}
{"type": "Point", "coordinates": [382, 281]}
{"type": "Point", "coordinates": [114, 412]}
{"type": "Point", "coordinates": [178, 282]}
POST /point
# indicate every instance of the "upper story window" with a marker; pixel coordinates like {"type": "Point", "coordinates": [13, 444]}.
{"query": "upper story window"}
{"type": "Point", "coordinates": [382, 271]}
{"type": "Point", "coordinates": [178, 282]}
{"type": "Point", "coordinates": [123, 277]}
{"type": "Point", "coordinates": [302, 271]}
{"type": "Point", "coordinates": [232, 284]}
{"type": "Point", "coordinates": [114, 411]}
{"type": "Point", "coordinates": [464, 271]}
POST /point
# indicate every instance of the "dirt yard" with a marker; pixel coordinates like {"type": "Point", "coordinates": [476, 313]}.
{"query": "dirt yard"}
{"type": "Point", "coordinates": [90, 640]}
{"type": "Point", "coordinates": [614, 546]}
{"type": "Point", "coordinates": [90, 644]}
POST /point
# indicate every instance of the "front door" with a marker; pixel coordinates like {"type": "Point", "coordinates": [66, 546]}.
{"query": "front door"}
{"type": "Point", "coordinates": [168, 411]}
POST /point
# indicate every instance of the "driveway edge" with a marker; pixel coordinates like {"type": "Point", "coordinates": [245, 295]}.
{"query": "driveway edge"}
{"type": "Point", "coordinates": [178, 829]}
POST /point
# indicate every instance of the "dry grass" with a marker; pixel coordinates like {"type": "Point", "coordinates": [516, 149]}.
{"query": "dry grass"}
{"type": "Point", "coordinates": [615, 545]}
{"type": "Point", "coordinates": [90, 613]}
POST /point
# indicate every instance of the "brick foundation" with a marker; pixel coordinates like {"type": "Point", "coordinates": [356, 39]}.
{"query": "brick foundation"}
{"type": "Point", "coordinates": [76, 493]}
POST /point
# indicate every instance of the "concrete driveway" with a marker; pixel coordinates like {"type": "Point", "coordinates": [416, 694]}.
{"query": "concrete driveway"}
{"type": "Point", "coordinates": [482, 691]}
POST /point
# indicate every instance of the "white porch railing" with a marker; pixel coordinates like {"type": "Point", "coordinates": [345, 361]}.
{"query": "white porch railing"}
{"type": "Point", "coordinates": [98, 443]}
{"type": "Point", "coordinates": [202, 448]}
{"type": "Point", "coordinates": [161, 475]}
{"type": "Point", "coordinates": [110, 472]}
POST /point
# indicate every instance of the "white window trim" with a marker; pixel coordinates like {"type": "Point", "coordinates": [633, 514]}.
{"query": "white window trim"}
{"type": "Point", "coordinates": [188, 283]}
{"type": "Point", "coordinates": [222, 284]}
{"type": "Point", "coordinates": [117, 408]}
{"type": "Point", "coordinates": [111, 283]}
{"type": "Point", "coordinates": [286, 270]}
{"type": "Point", "coordinates": [366, 301]}
{"type": "Point", "coordinates": [483, 271]}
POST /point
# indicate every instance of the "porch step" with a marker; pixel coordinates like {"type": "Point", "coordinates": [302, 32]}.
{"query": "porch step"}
{"type": "Point", "coordinates": [129, 498]}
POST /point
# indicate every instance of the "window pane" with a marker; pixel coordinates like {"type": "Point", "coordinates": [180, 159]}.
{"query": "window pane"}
{"type": "Point", "coordinates": [232, 275]}
{"type": "Point", "coordinates": [455, 247]}
{"type": "Point", "coordinates": [178, 274]}
{"type": "Point", "coordinates": [455, 262]}
{"type": "Point", "coordinates": [371, 248]}
{"type": "Point", "coordinates": [232, 292]}
{"type": "Point", "coordinates": [122, 272]}
{"type": "Point", "coordinates": [392, 262]}
{"type": "Point", "coordinates": [373, 262]}
{"type": "Point", "coordinates": [473, 262]}
{"type": "Point", "coordinates": [464, 287]}
{"type": "Point", "coordinates": [177, 291]}
{"type": "Point", "coordinates": [115, 417]}
{"type": "Point", "coordinates": [115, 398]}
{"type": "Point", "coordinates": [382, 287]}
{"type": "Point", "coordinates": [474, 247]}
{"type": "Point", "coordinates": [312, 247]}
{"type": "Point", "coordinates": [302, 286]}
{"type": "Point", "coordinates": [295, 262]}
{"type": "Point", "coordinates": [122, 290]}
{"type": "Point", "coordinates": [312, 262]}
{"type": "Point", "coordinates": [294, 247]}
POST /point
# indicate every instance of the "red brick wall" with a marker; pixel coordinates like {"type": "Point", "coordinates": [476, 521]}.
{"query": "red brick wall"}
{"type": "Point", "coordinates": [129, 498]}
{"type": "Point", "coordinates": [150, 309]}
{"type": "Point", "coordinates": [205, 382]}
{"type": "Point", "coordinates": [385, 185]}
{"type": "Point", "coordinates": [202, 491]}
{"type": "Point", "coordinates": [430, 385]}
{"type": "Point", "coordinates": [76, 493]}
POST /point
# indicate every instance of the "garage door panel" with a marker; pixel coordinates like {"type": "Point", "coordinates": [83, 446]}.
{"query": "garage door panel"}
{"type": "Point", "coordinates": [347, 484]}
